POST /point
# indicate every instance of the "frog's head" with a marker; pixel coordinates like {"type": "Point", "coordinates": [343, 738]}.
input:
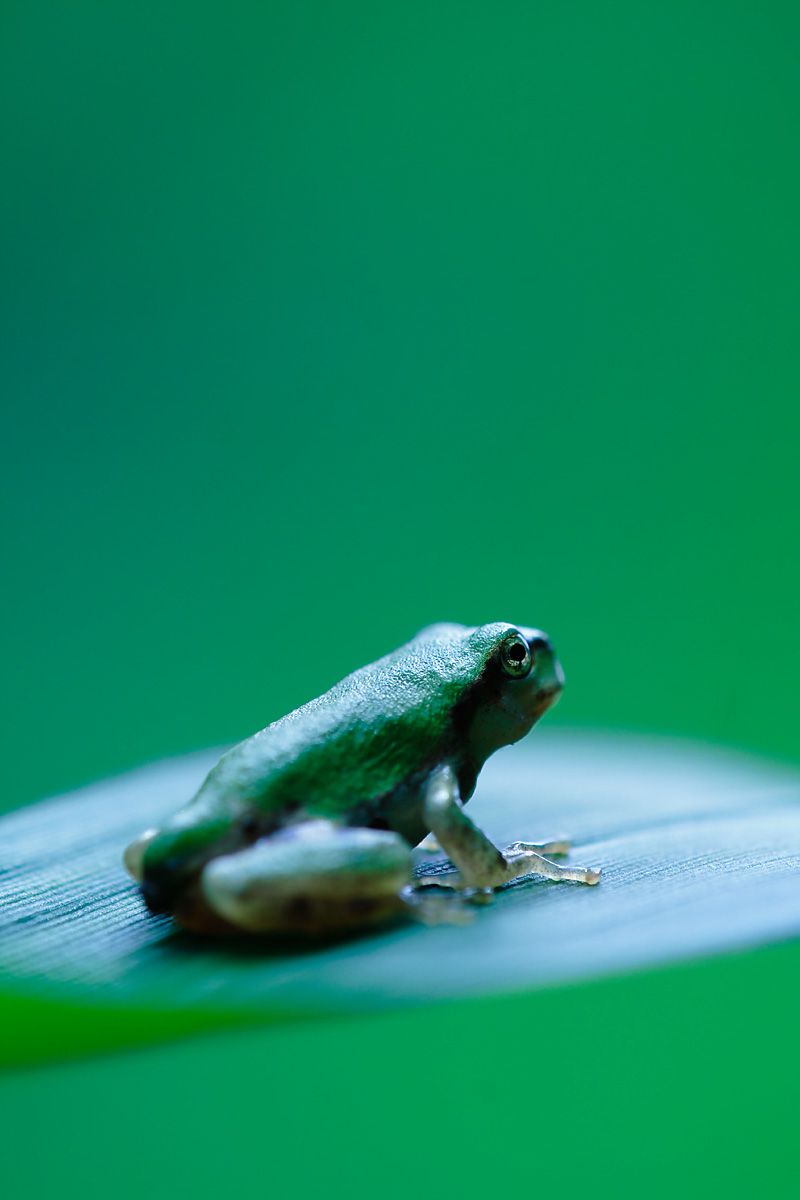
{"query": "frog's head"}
{"type": "Point", "coordinates": [518, 679]}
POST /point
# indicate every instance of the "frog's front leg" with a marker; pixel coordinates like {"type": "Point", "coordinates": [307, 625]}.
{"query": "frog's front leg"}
{"type": "Point", "coordinates": [480, 864]}
{"type": "Point", "coordinates": [315, 877]}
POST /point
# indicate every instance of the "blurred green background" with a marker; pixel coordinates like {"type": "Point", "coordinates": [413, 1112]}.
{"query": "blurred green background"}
{"type": "Point", "coordinates": [322, 322]}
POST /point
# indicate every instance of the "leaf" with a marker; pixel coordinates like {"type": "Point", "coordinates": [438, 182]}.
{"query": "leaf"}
{"type": "Point", "coordinates": [700, 851]}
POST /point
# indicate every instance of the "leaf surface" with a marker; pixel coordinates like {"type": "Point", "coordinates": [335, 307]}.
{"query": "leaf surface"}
{"type": "Point", "coordinates": [700, 851]}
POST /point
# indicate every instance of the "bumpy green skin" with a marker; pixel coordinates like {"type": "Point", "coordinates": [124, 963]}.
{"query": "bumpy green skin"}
{"type": "Point", "coordinates": [358, 741]}
{"type": "Point", "coordinates": [359, 753]}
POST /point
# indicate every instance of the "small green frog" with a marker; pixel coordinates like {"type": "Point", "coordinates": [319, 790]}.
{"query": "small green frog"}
{"type": "Point", "coordinates": [307, 827]}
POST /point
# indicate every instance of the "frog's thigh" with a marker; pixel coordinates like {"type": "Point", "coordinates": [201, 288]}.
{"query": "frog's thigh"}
{"type": "Point", "coordinates": [310, 878]}
{"type": "Point", "coordinates": [479, 862]}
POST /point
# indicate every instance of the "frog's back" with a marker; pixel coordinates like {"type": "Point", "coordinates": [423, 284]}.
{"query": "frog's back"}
{"type": "Point", "coordinates": [360, 741]}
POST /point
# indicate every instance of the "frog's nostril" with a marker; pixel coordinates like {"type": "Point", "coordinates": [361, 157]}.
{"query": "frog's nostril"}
{"type": "Point", "coordinates": [539, 645]}
{"type": "Point", "coordinates": [538, 641]}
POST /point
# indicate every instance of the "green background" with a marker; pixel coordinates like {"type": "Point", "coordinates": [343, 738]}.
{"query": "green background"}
{"type": "Point", "coordinates": [322, 322]}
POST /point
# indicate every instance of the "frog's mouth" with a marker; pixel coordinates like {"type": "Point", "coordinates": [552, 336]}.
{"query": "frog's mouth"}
{"type": "Point", "coordinates": [544, 698]}
{"type": "Point", "coordinates": [547, 671]}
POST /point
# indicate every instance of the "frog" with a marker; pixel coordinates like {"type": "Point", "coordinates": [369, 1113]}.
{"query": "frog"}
{"type": "Point", "coordinates": [307, 827]}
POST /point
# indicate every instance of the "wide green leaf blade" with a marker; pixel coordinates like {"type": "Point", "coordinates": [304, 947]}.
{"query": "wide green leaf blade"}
{"type": "Point", "coordinates": [700, 851]}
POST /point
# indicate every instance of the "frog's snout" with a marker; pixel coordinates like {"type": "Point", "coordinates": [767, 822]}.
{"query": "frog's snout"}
{"type": "Point", "coordinates": [547, 669]}
{"type": "Point", "coordinates": [540, 646]}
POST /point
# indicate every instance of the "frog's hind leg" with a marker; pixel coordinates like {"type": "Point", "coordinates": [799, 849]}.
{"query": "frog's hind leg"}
{"type": "Point", "coordinates": [134, 853]}
{"type": "Point", "coordinates": [312, 878]}
{"type": "Point", "coordinates": [480, 864]}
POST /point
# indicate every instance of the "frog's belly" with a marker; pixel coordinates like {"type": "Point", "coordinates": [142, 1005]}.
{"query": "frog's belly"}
{"type": "Point", "coordinates": [413, 829]}
{"type": "Point", "coordinates": [402, 812]}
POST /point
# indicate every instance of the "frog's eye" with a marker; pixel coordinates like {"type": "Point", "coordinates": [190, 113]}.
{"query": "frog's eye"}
{"type": "Point", "coordinates": [515, 655]}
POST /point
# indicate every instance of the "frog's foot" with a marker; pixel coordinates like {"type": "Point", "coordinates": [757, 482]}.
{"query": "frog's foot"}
{"type": "Point", "coordinates": [313, 878]}
{"type": "Point", "coordinates": [530, 858]}
{"type": "Point", "coordinates": [433, 906]}
{"type": "Point", "coordinates": [559, 846]}
{"type": "Point", "coordinates": [480, 864]}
